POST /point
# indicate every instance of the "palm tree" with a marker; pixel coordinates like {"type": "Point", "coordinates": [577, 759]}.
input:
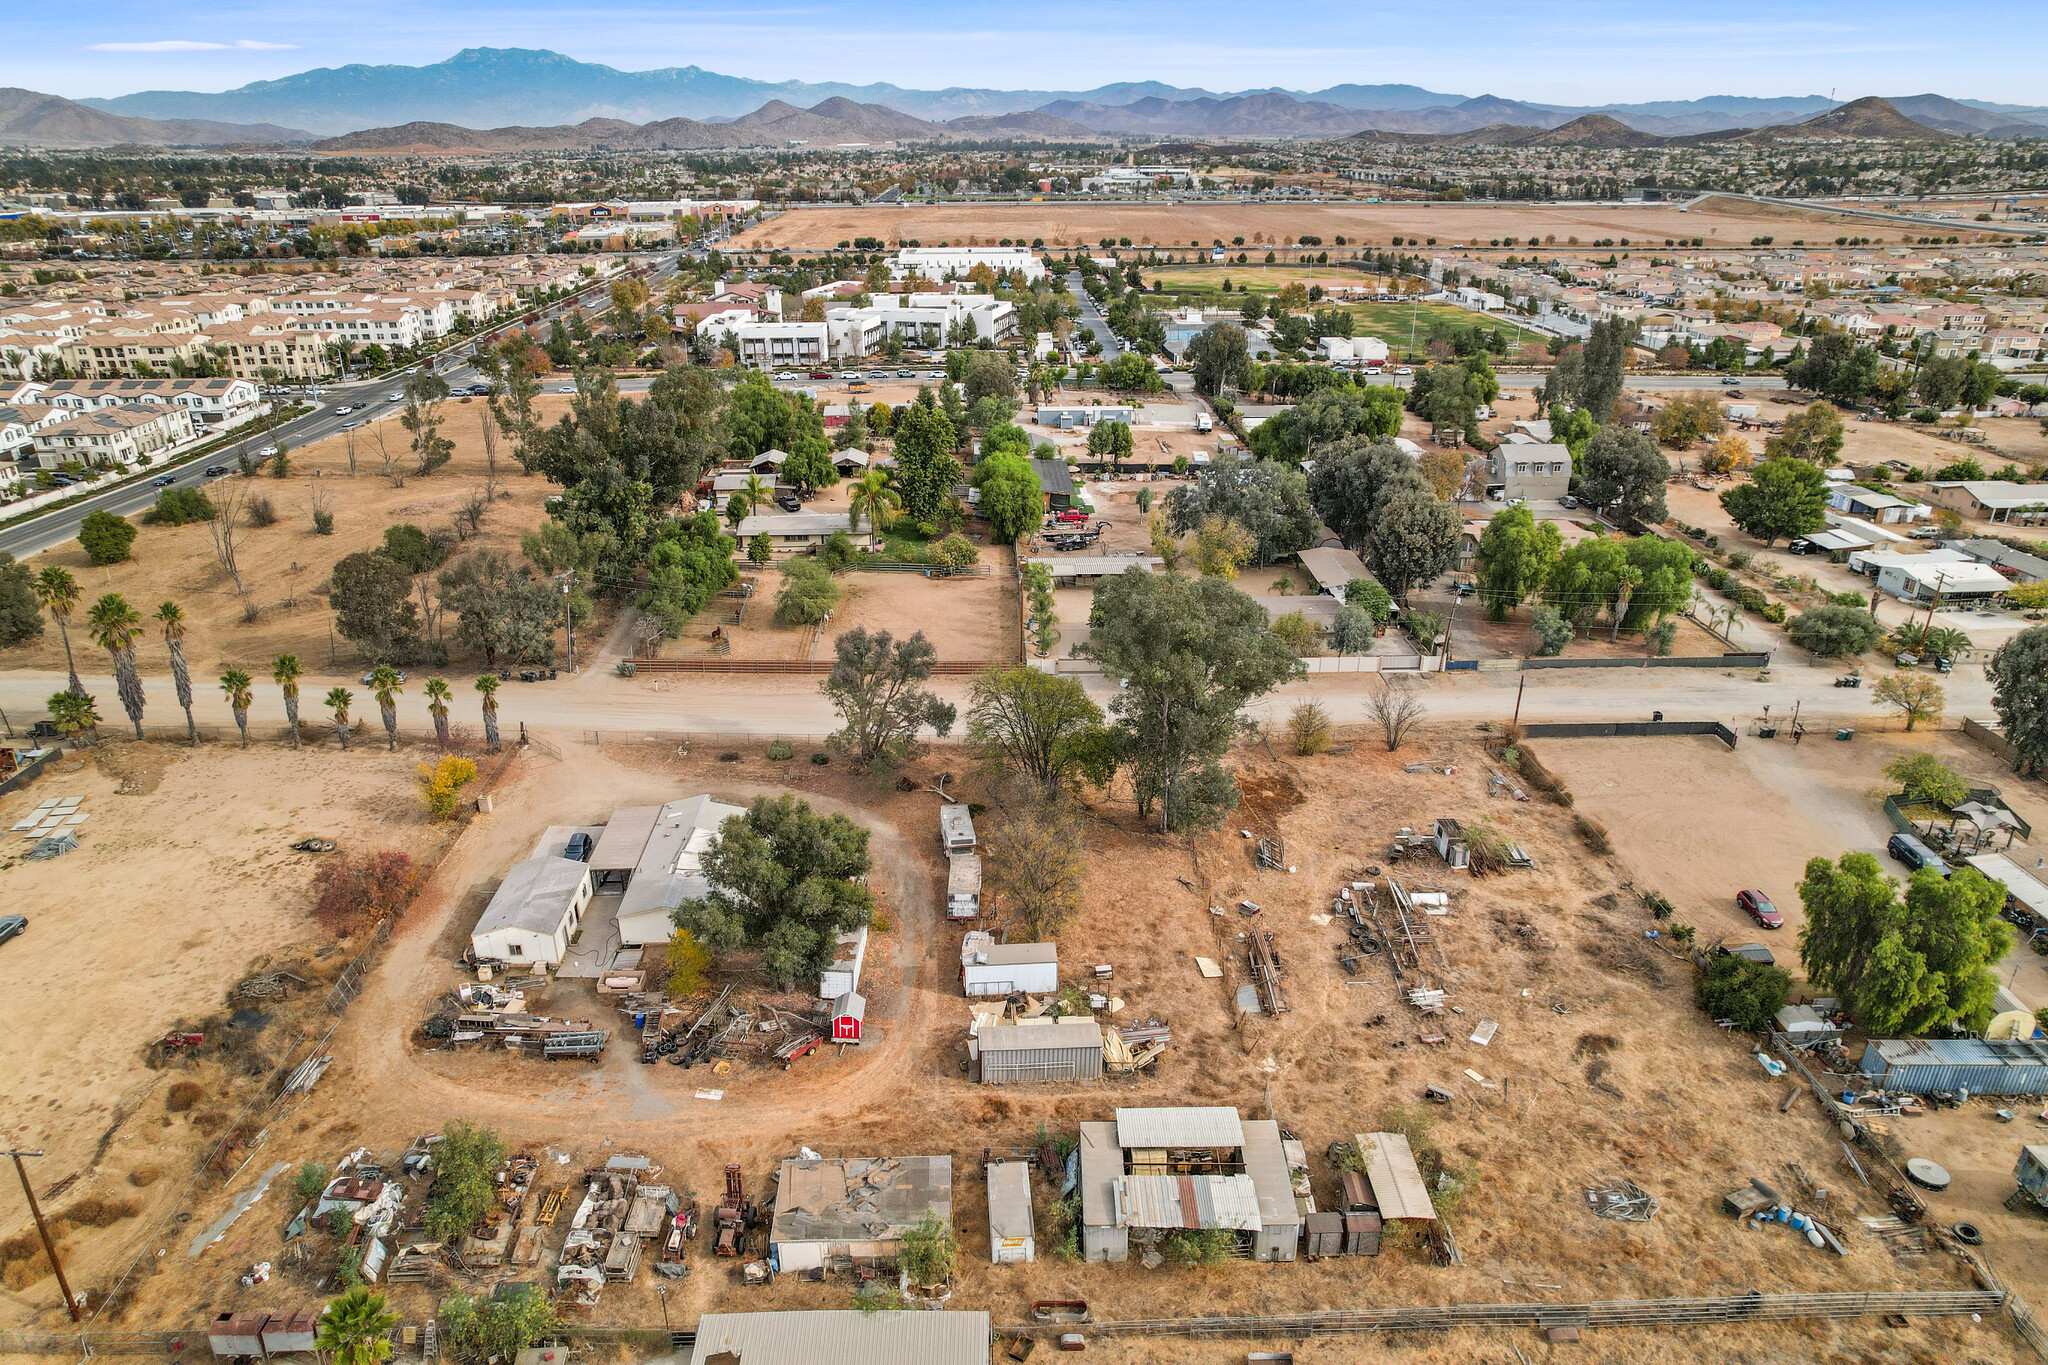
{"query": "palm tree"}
{"type": "Point", "coordinates": [171, 617]}
{"type": "Point", "coordinates": [338, 699]}
{"type": "Point", "coordinates": [114, 627]}
{"type": "Point", "coordinates": [756, 493]}
{"type": "Point", "coordinates": [355, 1329]}
{"type": "Point", "coordinates": [870, 499]}
{"type": "Point", "coordinates": [438, 696]}
{"type": "Point", "coordinates": [385, 685]}
{"type": "Point", "coordinates": [235, 683]}
{"type": "Point", "coordinates": [57, 593]}
{"type": "Point", "coordinates": [487, 683]}
{"type": "Point", "coordinates": [75, 714]}
{"type": "Point", "coordinates": [286, 669]}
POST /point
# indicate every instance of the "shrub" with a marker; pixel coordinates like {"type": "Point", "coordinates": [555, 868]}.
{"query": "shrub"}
{"type": "Point", "coordinates": [821, 759]}
{"type": "Point", "coordinates": [1835, 630]}
{"type": "Point", "coordinates": [1308, 729]}
{"type": "Point", "coordinates": [1553, 632]}
{"type": "Point", "coordinates": [323, 523]}
{"type": "Point", "coordinates": [1593, 834]}
{"type": "Point", "coordinates": [1661, 637]}
{"type": "Point", "coordinates": [779, 749]}
{"type": "Point", "coordinates": [106, 537]}
{"type": "Point", "coordinates": [1740, 559]}
{"type": "Point", "coordinates": [1774, 612]}
{"type": "Point", "coordinates": [262, 512]}
{"type": "Point", "coordinates": [181, 507]}
{"type": "Point", "coordinates": [310, 1181]}
{"type": "Point", "coordinates": [954, 552]}
{"type": "Point", "coordinates": [441, 782]}
{"type": "Point", "coordinates": [354, 893]}
{"type": "Point", "coordinates": [807, 593]}
{"type": "Point", "coordinates": [1749, 993]}
{"type": "Point", "coordinates": [687, 962]}
{"type": "Point", "coordinates": [1846, 599]}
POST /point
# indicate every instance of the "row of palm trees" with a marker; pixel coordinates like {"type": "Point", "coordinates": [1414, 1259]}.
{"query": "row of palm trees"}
{"type": "Point", "coordinates": [115, 626]}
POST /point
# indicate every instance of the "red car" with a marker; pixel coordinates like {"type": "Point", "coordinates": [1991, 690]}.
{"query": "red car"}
{"type": "Point", "coordinates": [1760, 909]}
{"type": "Point", "coordinates": [821, 374]}
{"type": "Point", "coordinates": [1072, 514]}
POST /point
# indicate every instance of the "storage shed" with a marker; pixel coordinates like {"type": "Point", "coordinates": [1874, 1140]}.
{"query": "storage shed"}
{"type": "Point", "coordinates": [1986, 1067]}
{"type": "Point", "coordinates": [1279, 1231]}
{"type": "Point", "coordinates": [956, 827]}
{"type": "Point", "coordinates": [1103, 1237]}
{"type": "Point", "coordinates": [237, 1334]}
{"type": "Point", "coordinates": [534, 913]}
{"type": "Point", "coordinates": [1010, 1239]}
{"type": "Point", "coordinates": [963, 886]}
{"type": "Point", "coordinates": [1039, 1050]}
{"type": "Point", "coordinates": [848, 1013]}
{"type": "Point", "coordinates": [991, 968]}
{"type": "Point", "coordinates": [849, 953]}
{"type": "Point", "coordinates": [289, 1334]}
{"type": "Point", "coordinates": [1397, 1184]}
{"type": "Point", "coordinates": [1800, 1023]}
{"type": "Point", "coordinates": [854, 1207]}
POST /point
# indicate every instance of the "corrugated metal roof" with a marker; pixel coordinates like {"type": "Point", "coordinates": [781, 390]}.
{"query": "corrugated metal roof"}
{"type": "Point", "coordinates": [1209, 1126]}
{"type": "Point", "coordinates": [1332, 568]}
{"type": "Point", "coordinates": [1018, 954]}
{"type": "Point", "coordinates": [1102, 1165]}
{"type": "Point", "coordinates": [1083, 1034]}
{"type": "Point", "coordinates": [1009, 1199]}
{"type": "Point", "coordinates": [625, 835]}
{"type": "Point", "coordinates": [1191, 1201]}
{"type": "Point", "coordinates": [1265, 1161]}
{"type": "Point", "coordinates": [1396, 1180]}
{"type": "Point", "coordinates": [1960, 1052]}
{"type": "Point", "coordinates": [2020, 884]}
{"type": "Point", "coordinates": [845, 1337]}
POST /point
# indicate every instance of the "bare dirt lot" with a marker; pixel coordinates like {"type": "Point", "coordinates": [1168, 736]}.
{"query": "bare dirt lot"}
{"type": "Point", "coordinates": [1601, 1066]}
{"type": "Point", "coordinates": [964, 618]}
{"type": "Point", "coordinates": [1066, 225]}
{"type": "Point", "coordinates": [285, 566]}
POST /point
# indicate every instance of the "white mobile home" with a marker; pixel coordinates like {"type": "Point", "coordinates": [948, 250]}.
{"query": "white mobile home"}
{"type": "Point", "coordinates": [534, 913]}
{"type": "Point", "coordinates": [991, 968]}
{"type": "Point", "coordinates": [956, 827]}
{"type": "Point", "coordinates": [668, 868]}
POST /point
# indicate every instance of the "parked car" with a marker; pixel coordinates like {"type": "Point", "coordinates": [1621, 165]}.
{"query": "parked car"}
{"type": "Point", "coordinates": [1926, 533]}
{"type": "Point", "coordinates": [12, 925]}
{"type": "Point", "coordinates": [1759, 908]}
{"type": "Point", "coordinates": [1914, 854]}
{"type": "Point", "coordinates": [163, 480]}
{"type": "Point", "coordinates": [789, 502]}
{"type": "Point", "coordinates": [350, 426]}
{"type": "Point", "coordinates": [579, 848]}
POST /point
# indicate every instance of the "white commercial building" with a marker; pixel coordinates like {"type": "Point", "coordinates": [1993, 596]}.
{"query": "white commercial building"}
{"type": "Point", "coordinates": [937, 263]}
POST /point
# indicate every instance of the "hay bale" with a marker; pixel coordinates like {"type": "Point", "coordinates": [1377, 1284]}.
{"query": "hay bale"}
{"type": "Point", "coordinates": [142, 1177]}
{"type": "Point", "coordinates": [96, 1211]}
{"type": "Point", "coordinates": [183, 1096]}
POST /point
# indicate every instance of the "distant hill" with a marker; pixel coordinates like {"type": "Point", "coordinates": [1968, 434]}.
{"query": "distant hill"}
{"type": "Point", "coordinates": [1869, 117]}
{"type": "Point", "coordinates": [1953, 116]}
{"type": "Point", "coordinates": [32, 119]}
{"type": "Point", "coordinates": [772, 125]}
{"type": "Point", "coordinates": [1588, 130]}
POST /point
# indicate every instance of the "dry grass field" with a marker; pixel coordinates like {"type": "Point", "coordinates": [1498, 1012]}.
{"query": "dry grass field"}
{"type": "Point", "coordinates": [284, 566]}
{"type": "Point", "coordinates": [1601, 1066]}
{"type": "Point", "coordinates": [1066, 225]}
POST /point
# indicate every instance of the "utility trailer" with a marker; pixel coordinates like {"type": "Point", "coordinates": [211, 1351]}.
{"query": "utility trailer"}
{"type": "Point", "coordinates": [590, 1045]}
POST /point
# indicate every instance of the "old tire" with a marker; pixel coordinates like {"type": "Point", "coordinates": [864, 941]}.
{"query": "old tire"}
{"type": "Point", "coordinates": [1968, 1234]}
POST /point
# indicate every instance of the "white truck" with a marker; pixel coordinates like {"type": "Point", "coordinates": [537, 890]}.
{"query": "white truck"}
{"type": "Point", "coordinates": [1203, 422]}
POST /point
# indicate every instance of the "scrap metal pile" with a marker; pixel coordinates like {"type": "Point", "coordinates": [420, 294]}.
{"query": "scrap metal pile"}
{"type": "Point", "coordinates": [622, 1210]}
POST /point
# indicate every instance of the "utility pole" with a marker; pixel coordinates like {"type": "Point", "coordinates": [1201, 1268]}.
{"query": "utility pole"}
{"type": "Point", "coordinates": [569, 619]}
{"type": "Point", "coordinates": [49, 1247]}
{"type": "Point", "coordinates": [1520, 688]}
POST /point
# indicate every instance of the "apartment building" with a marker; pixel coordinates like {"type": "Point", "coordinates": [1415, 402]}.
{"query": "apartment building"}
{"type": "Point", "coordinates": [108, 436]}
{"type": "Point", "coordinates": [275, 347]}
{"type": "Point", "coordinates": [392, 328]}
{"type": "Point", "coordinates": [19, 423]}
{"type": "Point", "coordinates": [113, 348]}
{"type": "Point", "coordinates": [212, 402]}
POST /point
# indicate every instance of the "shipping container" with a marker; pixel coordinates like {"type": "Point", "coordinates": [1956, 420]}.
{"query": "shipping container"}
{"type": "Point", "coordinates": [1918, 1066]}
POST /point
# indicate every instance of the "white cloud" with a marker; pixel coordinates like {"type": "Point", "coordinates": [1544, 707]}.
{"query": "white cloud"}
{"type": "Point", "coordinates": [191, 45]}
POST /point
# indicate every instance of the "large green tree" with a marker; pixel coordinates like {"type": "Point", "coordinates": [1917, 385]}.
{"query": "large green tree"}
{"type": "Point", "coordinates": [1904, 966]}
{"type": "Point", "coordinates": [1191, 652]}
{"type": "Point", "coordinates": [1354, 480]}
{"type": "Point", "coordinates": [1591, 576]}
{"type": "Point", "coordinates": [1220, 359]}
{"type": "Point", "coordinates": [1832, 631]}
{"type": "Point", "coordinates": [689, 561]}
{"type": "Point", "coordinates": [1815, 435]}
{"type": "Point", "coordinates": [1010, 500]}
{"type": "Point", "coordinates": [373, 607]}
{"type": "Point", "coordinates": [877, 686]}
{"type": "Point", "coordinates": [1326, 416]}
{"type": "Point", "coordinates": [1623, 471]}
{"type": "Point", "coordinates": [1516, 556]}
{"type": "Point", "coordinates": [2019, 693]}
{"type": "Point", "coordinates": [784, 880]}
{"type": "Point", "coordinates": [1269, 500]}
{"type": "Point", "coordinates": [1414, 540]}
{"type": "Point", "coordinates": [1039, 724]}
{"type": "Point", "coordinates": [21, 616]}
{"type": "Point", "coordinates": [1784, 497]}
{"type": "Point", "coordinates": [925, 467]}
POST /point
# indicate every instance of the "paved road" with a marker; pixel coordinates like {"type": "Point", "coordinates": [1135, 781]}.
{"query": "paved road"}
{"type": "Point", "coordinates": [369, 398]}
{"type": "Point", "coordinates": [1092, 321]}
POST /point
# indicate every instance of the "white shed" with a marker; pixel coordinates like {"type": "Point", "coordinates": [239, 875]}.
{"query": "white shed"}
{"type": "Point", "coordinates": [963, 886]}
{"type": "Point", "coordinates": [1800, 1021]}
{"type": "Point", "coordinates": [1010, 1240]}
{"type": "Point", "coordinates": [843, 976]}
{"type": "Point", "coordinates": [535, 912]}
{"type": "Point", "coordinates": [991, 968]}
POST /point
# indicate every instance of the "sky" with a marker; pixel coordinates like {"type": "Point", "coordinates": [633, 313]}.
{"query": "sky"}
{"type": "Point", "coordinates": [1580, 52]}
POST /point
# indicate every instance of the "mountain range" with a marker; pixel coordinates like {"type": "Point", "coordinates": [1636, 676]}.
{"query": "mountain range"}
{"type": "Point", "coordinates": [1869, 117]}
{"type": "Point", "coordinates": [494, 87]}
{"type": "Point", "coordinates": [30, 119]}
